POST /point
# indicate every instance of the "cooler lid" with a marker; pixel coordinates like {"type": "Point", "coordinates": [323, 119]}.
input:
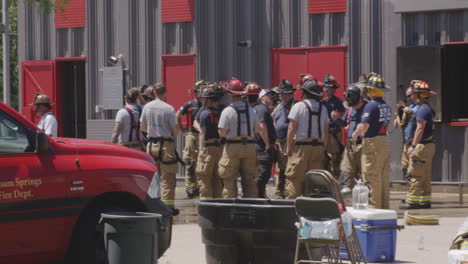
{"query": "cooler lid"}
{"type": "Point", "coordinates": [372, 214]}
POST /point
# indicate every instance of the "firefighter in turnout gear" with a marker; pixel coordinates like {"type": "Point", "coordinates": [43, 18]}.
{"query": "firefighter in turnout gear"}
{"type": "Point", "coordinates": [307, 137]}
{"type": "Point", "coordinates": [421, 151]}
{"type": "Point", "coordinates": [285, 91]}
{"type": "Point", "coordinates": [405, 119]}
{"type": "Point", "coordinates": [210, 149]}
{"type": "Point", "coordinates": [237, 126]}
{"type": "Point", "coordinates": [336, 110]}
{"type": "Point", "coordinates": [350, 166]}
{"type": "Point", "coordinates": [375, 161]}
{"type": "Point", "coordinates": [185, 117]}
{"type": "Point", "coordinates": [159, 121]}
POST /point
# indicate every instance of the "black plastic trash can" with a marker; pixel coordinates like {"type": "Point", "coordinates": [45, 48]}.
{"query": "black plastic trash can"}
{"type": "Point", "coordinates": [245, 231]}
{"type": "Point", "coordinates": [131, 237]}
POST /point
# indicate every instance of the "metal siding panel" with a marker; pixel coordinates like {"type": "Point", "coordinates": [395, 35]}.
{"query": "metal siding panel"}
{"type": "Point", "coordinates": [326, 6]}
{"type": "Point", "coordinates": [72, 15]}
{"type": "Point", "coordinates": [177, 11]}
{"type": "Point", "coordinates": [142, 48]}
{"type": "Point", "coordinates": [428, 5]}
{"type": "Point", "coordinates": [354, 22]}
{"type": "Point", "coordinates": [100, 129]}
{"type": "Point", "coordinates": [133, 44]}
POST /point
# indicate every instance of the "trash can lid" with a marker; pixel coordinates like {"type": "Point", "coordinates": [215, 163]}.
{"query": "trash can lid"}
{"type": "Point", "coordinates": [130, 215]}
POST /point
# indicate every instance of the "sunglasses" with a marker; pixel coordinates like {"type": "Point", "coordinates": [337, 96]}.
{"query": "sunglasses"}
{"type": "Point", "coordinates": [270, 94]}
{"type": "Point", "coordinates": [284, 94]}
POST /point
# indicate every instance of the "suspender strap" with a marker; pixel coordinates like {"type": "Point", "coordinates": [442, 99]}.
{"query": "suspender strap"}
{"type": "Point", "coordinates": [239, 112]}
{"type": "Point", "coordinates": [319, 116]}
{"type": "Point", "coordinates": [134, 126]}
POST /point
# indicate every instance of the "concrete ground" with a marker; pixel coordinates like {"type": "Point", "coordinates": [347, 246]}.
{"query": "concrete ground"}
{"type": "Point", "coordinates": [187, 246]}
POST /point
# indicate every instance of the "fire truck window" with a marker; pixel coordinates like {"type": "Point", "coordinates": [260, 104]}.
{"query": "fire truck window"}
{"type": "Point", "coordinates": [13, 136]}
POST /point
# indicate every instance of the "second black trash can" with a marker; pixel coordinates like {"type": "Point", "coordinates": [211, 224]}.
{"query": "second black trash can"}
{"type": "Point", "coordinates": [248, 231]}
{"type": "Point", "coordinates": [131, 237]}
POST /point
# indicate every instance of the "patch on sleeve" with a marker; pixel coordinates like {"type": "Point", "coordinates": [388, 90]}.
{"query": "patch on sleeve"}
{"type": "Point", "coordinates": [365, 115]}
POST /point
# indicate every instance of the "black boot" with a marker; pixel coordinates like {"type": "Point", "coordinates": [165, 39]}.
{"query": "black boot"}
{"type": "Point", "coordinates": [408, 206]}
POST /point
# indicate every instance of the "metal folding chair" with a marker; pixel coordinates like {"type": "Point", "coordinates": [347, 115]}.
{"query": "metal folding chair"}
{"type": "Point", "coordinates": [320, 183]}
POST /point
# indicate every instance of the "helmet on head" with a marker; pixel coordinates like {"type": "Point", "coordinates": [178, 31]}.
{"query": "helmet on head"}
{"type": "Point", "coordinates": [235, 86]}
{"type": "Point", "coordinates": [208, 91]}
{"type": "Point", "coordinates": [198, 84]}
{"type": "Point", "coordinates": [329, 81]}
{"type": "Point", "coordinates": [311, 86]}
{"type": "Point", "coordinates": [285, 86]}
{"type": "Point", "coordinates": [219, 89]}
{"type": "Point", "coordinates": [376, 86]}
{"type": "Point", "coordinates": [304, 77]}
{"type": "Point", "coordinates": [421, 88]}
{"type": "Point", "coordinates": [252, 88]}
{"type": "Point", "coordinates": [353, 94]}
{"type": "Point", "coordinates": [41, 99]}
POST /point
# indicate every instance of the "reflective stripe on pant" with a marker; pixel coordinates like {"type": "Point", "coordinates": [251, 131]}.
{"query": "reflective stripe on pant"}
{"type": "Point", "coordinates": [167, 172]}
{"type": "Point", "coordinates": [207, 172]}
{"type": "Point", "coordinates": [238, 159]}
{"type": "Point", "coordinates": [375, 170]}
{"type": "Point", "coordinates": [265, 163]}
{"type": "Point", "coordinates": [334, 154]}
{"type": "Point", "coordinates": [350, 165]}
{"type": "Point", "coordinates": [420, 171]}
{"type": "Point", "coordinates": [303, 159]}
{"type": "Point", "coordinates": [282, 161]}
{"type": "Point", "coordinates": [189, 156]}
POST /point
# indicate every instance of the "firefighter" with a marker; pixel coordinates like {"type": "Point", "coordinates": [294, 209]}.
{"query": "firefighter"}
{"type": "Point", "coordinates": [159, 121]}
{"type": "Point", "coordinates": [405, 119]}
{"type": "Point", "coordinates": [285, 91]}
{"type": "Point", "coordinates": [188, 112]}
{"type": "Point", "coordinates": [373, 128]}
{"type": "Point", "coordinates": [42, 109]}
{"type": "Point", "coordinates": [336, 110]}
{"type": "Point", "coordinates": [127, 125]}
{"type": "Point", "coordinates": [260, 101]}
{"type": "Point", "coordinates": [220, 92]}
{"type": "Point", "coordinates": [307, 137]}
{"type": "Point", "coordinates": [421, 151]}
{"type": "Point", "coordinates": [237, 126]}
{"type": "Point", "coordinates": [350, 166]}
{"type": "Point", "coordinates": [210, 149]}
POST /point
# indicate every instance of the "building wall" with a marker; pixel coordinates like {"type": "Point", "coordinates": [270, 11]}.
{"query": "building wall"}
{"type": "Point", "coordinates": [372, 30]}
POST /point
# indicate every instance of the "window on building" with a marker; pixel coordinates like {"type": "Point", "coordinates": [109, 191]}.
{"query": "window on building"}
{"type": "Point", "coordinates": [455, 81]}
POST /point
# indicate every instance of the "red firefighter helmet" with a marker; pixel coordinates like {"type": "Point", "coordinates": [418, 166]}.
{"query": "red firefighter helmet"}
{"type": "Point", "coordinates": [329, 81]}
{"type": "Point", "coordinates": [422, 88]}
{"type": "Point", "coordinates": [235, 86]}
{"type": "Point", "coordinates": [252, 88]}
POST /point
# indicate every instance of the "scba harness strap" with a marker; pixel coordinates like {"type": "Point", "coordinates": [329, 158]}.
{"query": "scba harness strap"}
{"type": "Point", "coordinates": [239, 112]}
{"type": "Point", "coordinates": [319, 117]}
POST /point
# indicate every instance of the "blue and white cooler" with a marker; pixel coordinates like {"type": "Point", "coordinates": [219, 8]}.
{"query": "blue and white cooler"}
{"type": "Point", "coordinates": [376, 231]}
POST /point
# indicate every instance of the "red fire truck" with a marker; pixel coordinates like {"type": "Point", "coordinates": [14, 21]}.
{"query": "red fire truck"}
{"type": "Point", "coordinates": [53, 191]}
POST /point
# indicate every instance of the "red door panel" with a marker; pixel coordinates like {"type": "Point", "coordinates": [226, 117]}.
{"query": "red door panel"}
{"type": "Point", "coordinates": [39, 77]}
{"type": "Point", "coordinates": [178, 73]}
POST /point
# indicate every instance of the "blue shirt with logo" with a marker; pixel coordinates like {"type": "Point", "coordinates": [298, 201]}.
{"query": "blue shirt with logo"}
{"type": "Point", "coordinates": [377, 113]}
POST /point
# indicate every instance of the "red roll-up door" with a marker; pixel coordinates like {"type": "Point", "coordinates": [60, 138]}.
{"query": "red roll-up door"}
{"type": "Point", "coordinates": [72, 14]}
{"type": "Point", "coordinates": [326, 6]}
{"type": "Point", "coordinates": [178, 73]}
{"type": "Point", "coordinates": [176, 11]}
{"type": "Point", "coordinates": [318, 61]}
{"type": "Point", "coordinates": [39, 77]}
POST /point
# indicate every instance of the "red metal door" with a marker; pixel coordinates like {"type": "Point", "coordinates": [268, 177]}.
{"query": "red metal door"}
{"type": "Point", "coordinates": [40, 77]}
{"type": "Point", "coordinates": [178, 73]}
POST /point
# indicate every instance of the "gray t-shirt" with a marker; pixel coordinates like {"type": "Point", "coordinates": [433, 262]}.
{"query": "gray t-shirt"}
{"type": "Point", "coordinates": [228, 120]}
{"type": "Point", "coordinates": [300, 114]}
{"type": "Point", "coordinates": [159, 117]}
{"type": "Point", "coordinates": [123, 117]}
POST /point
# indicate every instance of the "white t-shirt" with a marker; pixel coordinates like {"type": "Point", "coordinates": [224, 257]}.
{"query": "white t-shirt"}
{"type": "Point", "coordinates": [123, 117]}
{"type": "Point", "coordinates": [300, 113]}
{"type": "Point", "coordinates": [228, 120]}
{"type": "Point", "coordinates": [160, 118]}
{"type": "Point", "coordinates": [48, 124]}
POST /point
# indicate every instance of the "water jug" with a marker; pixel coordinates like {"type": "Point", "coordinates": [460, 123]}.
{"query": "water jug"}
{"type": "Point", "coordinates": [347, 196]}
{"type": "Point", "coordinates": [360, 195]}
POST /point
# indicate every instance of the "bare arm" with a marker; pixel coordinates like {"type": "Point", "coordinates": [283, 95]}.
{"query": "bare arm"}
{"type": "Point", "coordinates": [176, 130]}
{"type": "Point", "coordinates": [361, 129]}
{"type": "Point", "coordinates": [116, 133]}
{"type": "Point", "coordinates": [196, 125]}
{"type": "Point", "coordinates": [144, 127]}
{"type": "Point", "coordinates": [222, 132]}
{"type": "Point", "coordinates": [325, 138]}
{"type": "Point", "coordinates": [201, 140]}
{"type": "Point", "coordinates": [420, 125]}
{"type": "Point", "coordinates": [179, 118]}
{"type": "Point", "coordinates": [292, 128]}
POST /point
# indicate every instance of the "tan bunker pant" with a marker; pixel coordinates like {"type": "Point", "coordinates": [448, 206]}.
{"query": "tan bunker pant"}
{"type": "Point", "coordinates": [189, 156]}
{"type": "Point", "coordinates": [238, 158]}
{"type": "Point", "coordinates": [303, 159]}
{"type": "Point", "coordinates": [281, 162]}
{"type": "Point", "coordinates": [420, 171]}
{"type": "Point", "coordinates": [351, 164]}
{"type": "Point", "coordinates": [375, 170]}
{"type": "Point", "coordinates": [207, 171]}
{"type": "Point", "coordinates": [334, 154]}
{"type": "Point", "coordinates": [166, 162]}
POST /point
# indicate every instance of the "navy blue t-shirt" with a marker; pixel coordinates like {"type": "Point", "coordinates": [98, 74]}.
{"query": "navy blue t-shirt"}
{"type": "Point", "coordinates": [333, 104]}
{"type": "Point", "coordinates": [280, 117]}
{"type": "Point", "coordinates": [209, 120]}
{"type": "Point", "coordinates": [191, 109]}
{"type": "Point", "coordinates": [377, 113]}
{"type": "Point", "coordinates": [354, 119]}
{"type": "Point", "coordinates": [426, 113]}
{"type": "Point", "coordinates": [263, 114]}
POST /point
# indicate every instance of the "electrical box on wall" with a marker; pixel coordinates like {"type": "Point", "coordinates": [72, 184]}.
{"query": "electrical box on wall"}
{"type": "Point", "coordinates": [112, 87]}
